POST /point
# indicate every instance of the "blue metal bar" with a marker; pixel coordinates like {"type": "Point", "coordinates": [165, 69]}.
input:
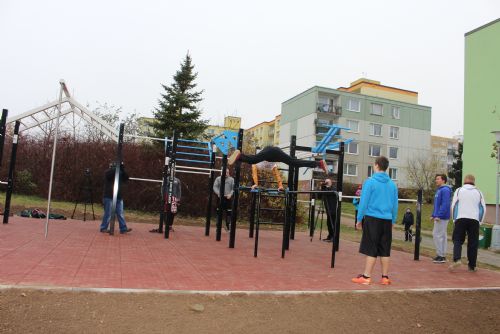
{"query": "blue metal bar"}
{"type": "Point", "coordinates": [195, 154]}
{"type": "Point", "coordinates": [192, 141]}
{"type": "Point", "coordinates": [197, 161]}
{"type": "Point", "coordinates": [194, 147]}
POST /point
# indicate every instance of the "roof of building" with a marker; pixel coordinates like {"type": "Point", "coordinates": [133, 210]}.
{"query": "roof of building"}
{"type": "Point", "coordinates": [482, 27]}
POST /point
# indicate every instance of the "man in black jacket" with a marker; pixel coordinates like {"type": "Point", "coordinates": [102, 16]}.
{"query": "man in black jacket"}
{"type": "Point", "coordinates": [408, 222]}
{"type": "Point", "coordinates": [109, 181]}
{"type": "Point", "coordinates": [330, 203]}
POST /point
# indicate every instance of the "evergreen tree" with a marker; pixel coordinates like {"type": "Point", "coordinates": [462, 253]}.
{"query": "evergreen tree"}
{"type": "Point", "coordinates": [178, 106]}
{"type": "Point", "coordinates": [456, 169]}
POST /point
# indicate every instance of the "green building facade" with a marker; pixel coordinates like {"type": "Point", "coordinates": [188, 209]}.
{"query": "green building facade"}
{"type": "Point", "coordinates": [482, 105]}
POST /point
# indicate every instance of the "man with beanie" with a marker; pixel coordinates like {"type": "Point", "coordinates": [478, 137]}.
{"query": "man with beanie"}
{"type": "Point", "coordinates": [379, 208]}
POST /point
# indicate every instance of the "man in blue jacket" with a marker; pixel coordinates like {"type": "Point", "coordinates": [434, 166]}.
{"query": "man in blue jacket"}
{"type": "Point", "coordinates": [379, 208]}
{"type": "Point", "coordinates": [440, 216]}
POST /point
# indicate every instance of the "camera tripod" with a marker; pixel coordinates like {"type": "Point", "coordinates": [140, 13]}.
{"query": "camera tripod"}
{"type": "Point", "coordinates": [86, 195]}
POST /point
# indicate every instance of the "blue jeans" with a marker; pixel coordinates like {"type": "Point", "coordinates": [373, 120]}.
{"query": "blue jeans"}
{"type": "Point", "coordinates": [108, 203]}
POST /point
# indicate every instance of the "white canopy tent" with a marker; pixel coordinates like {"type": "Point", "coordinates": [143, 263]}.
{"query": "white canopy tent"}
{"type": "Point", "coordinates": [64, 106]}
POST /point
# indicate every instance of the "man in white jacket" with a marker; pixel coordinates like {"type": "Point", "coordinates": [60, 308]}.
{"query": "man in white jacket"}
{"type": "Point", "coordinates": [468, 211]}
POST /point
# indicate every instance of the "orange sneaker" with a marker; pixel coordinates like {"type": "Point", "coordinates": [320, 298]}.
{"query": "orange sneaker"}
{"type": "Point", "coordinates": [232, 159]}
{"type": "Point", "coordinates": [385, 281]}
{"type": "Point", "coordinates": [360, 279]}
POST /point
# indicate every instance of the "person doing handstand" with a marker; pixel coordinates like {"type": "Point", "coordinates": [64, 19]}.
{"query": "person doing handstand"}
{"type": "Point", "coordinates": [275, 154]}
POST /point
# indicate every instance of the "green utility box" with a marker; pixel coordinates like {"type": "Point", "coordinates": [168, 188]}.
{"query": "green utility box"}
{"type": "Point", "coordinates": [484, 236]}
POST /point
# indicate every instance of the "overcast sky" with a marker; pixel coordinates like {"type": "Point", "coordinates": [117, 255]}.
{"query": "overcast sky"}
{"type": "Point", "coordinates": [250, 55]}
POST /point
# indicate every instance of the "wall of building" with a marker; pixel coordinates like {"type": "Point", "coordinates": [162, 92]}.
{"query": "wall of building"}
{"type": "Point", "coordinates": [482, 105]}
{"type": "Point", "coordinates": [414, 124]}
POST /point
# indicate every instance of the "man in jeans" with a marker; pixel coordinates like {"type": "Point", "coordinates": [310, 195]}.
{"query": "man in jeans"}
{"type": "Point", "coordinates": [468, 209]}
{"type": "Point", "coordinates": [440, 216]}
{"type": "Point", "coordinates": [378, 208]}
{"type": "Point", "coordinates": [109, 181]}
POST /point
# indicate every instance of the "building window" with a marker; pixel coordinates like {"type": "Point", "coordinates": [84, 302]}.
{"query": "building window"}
{"type": "Point", "coordinates": [395, 112]}
{"type": "Point", "coordinates": [351, 169]}
{"type": "Point", "coordinates": [393, 152]}
{"type": "Point", "coordinates": [377, 109]}
{"type": "Point", "coordinates": [353, 126]}
{"type": "Point", "coordinates": [370, 171]}
{"type": "Point", "coordinates": [374, 150]}
{"type": "Point", "coordinates": [393, 173]}
{"type": "Point", "coordinates": [375, 129]}
{"type": "Point", "coordinates": [352, 148]}
{"type": "Point", "coordinates": [354, 105]}
{"type": "Point", "coordinates": [394, 132]}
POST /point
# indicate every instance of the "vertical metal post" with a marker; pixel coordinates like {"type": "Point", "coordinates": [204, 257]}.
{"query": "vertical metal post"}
{"type": "Point", "coordinates": [418, 225]}
{"type": "Point", "coordinates": [210, 192]}
{"type": "Point", "coordinates": [252, 214]}
{"type": "Point", "coordinates": [220, 206]}
{"type": "Point", "coordinates": [3, 128]}
{"type": "Point", "coordinates": [311, 214]}
{"type": "Point", "coordinates": [56, 134]}
{"type": "Point", "coordinates": [289, 197]}
{"type": "Point", "coordinates": [340, 181]}
{"type": "Point", "coordinates": [163, 209]}
{"type": "Point", "coordinates": [116, 184]}
{"type": "Point", "coordinates": [294, 202]}
{"type": "Point", "coordinates": [170, 188]}
{"type": "Point", "coordinates": [10, 180]}
{"type": "Point", "coordinates": [236, 194]}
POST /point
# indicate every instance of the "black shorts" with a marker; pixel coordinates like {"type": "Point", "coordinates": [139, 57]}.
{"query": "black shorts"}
{"type": "Point", "coordinates": [377, 237]}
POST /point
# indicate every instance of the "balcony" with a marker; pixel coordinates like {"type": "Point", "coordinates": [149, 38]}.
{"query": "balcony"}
{"type": "Point", "coordinates": [329, 109]}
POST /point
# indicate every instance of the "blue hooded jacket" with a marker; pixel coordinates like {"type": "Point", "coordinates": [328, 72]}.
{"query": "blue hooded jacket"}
{"type": "Point", "coordinates": [442, 203]}
{"type": "Point", "coordinates": [379, 198]}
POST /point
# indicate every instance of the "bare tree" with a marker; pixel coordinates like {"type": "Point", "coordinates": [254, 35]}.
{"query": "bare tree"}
{"type": "Point", "coordinates": [421, 172]}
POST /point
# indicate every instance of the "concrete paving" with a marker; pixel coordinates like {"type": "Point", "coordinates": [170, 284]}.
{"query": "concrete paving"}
{"type": "Point", "coordinates": [75, 254]}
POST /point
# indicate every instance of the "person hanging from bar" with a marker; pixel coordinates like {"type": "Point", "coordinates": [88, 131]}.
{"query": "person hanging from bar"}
{"type": "Point", "coordinates": [275, 154]}
{"type": "Point", "coordinates": [266, 166]}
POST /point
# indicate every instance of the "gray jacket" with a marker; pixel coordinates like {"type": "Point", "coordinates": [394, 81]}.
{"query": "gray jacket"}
{"type": "Point", "coordinates": [176, 189]}
{"type": "Point", "coordinates": [228, 187]}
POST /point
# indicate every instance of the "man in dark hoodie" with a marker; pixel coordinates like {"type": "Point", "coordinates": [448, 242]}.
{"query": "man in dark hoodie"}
{"type": "Point", "coordinates": [408, 222]}
{"type": "Point", "coordinates": [379, 208]}
{"type": "Point", "coordinates": [109, 181]}
{"type": "Point", "coordinates": [441, 216]}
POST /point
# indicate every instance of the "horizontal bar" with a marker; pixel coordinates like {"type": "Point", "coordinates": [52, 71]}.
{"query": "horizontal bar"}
{"type": "Point", "coordinates": [2, 182]}
{"type": "Point", "coordinates": [147, 180]}
{"type": "Point", "coordinates": [309, 149]}
{"type": "Point", "coordinates": [399, 199]}
{"type": "Point", "coordinates": [312, 192]}
{"type": "Point", "coordinates": [195, 154]}
{"type": "Point", "coordinates": [194, 147]}
{"type": "Point", "coordinates": [197, 161]}
{"type": "Point", "coordinates": [191, 172]}
{"type": "Point", "coordinates": [198, 168]}
{"type": "Point", "coordinates": [193, 141]}
{"type": "Point", "coordinates": [146, 137]}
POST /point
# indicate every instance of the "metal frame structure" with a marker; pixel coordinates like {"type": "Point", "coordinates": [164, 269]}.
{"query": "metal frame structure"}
{"type": "Point", "coordinates": [64, 106]}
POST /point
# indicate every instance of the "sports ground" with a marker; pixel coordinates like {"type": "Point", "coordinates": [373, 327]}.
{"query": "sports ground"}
{"type": "Point", "coordinates": [76, 266]}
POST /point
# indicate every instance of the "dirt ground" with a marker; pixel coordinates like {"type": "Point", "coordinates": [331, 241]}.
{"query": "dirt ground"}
{"type": "Point", "coordinates": [36, 311]}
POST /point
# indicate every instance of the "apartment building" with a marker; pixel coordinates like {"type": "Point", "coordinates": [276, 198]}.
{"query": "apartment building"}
{"type": "Point", "coordinates": [383, 120]}
{"type": "Point", "coordinates": [444, 150]}
{"type": "Point", "coordinates": [265, 133]}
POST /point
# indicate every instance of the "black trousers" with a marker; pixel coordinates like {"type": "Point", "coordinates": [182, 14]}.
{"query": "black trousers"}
{"type": "Point", "coordinates": [331, 213]}
{"type": "Point", "coordinates": [275, 154]}
{"type": "Point", "coordinates": [227, 207]}
{"type": "Point", "coordinates": [170, 218]}
{"type": "Point", "coordinates": [408, 233]}
{"type": "Point", "coordinates": [462, 227]}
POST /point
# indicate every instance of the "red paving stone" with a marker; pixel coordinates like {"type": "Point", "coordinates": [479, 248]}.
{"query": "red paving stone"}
{"type": "Point", "coordinates": [75, 254]}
